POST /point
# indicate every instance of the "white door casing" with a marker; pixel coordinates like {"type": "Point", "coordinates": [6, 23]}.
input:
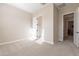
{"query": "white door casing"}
{"type": "Point", "coordinates": [61, 25]}
{"type": "Point", "coordinates": [76, 26]}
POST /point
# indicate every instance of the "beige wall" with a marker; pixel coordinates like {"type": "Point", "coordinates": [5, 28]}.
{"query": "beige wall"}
{"type": "Point", "coordinates": [55, 24]}
{"type": "Point", "coordinates": [47, 14]}
{"type": "Point", "coordinates": [14, 23]}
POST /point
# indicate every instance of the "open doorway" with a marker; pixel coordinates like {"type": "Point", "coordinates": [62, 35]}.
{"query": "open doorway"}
{"type": "Point", "coordinates": [68, 27]}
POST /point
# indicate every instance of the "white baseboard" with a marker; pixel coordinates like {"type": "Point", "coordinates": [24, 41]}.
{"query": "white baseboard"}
{"type": "Point", "coordinates": [10, 42]}
{"type": "Point", "coordinates": [49, 42]}
{"type": "Point", "coordinates": [77, 45]}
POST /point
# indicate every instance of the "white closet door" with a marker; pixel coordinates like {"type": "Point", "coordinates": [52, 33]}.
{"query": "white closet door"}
{"type": "Point", "coordinates": [76, 27]}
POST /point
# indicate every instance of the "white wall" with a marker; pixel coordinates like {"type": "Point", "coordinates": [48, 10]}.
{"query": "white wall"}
{"type": "Point", "coordinates": [47, 14]}
{"type": "Point", "coordinates": [14, 23]}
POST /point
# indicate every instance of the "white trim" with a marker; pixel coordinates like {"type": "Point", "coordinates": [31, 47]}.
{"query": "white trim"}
{"type": "Point", "coordinates": [68, 12]}
{"type": "Point", "coordinates": [10, 42]}
{"type": "Point", "coordinates": [49, 42]}
{"type": "Point", "coordinates": [63, 20]}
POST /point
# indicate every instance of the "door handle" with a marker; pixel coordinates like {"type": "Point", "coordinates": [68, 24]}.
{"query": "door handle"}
{"type": "Point", "coordinates": [77, 32]}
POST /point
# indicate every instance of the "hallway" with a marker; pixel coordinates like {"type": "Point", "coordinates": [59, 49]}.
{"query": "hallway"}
{"type": "Point", "coordinates": [22, 48]}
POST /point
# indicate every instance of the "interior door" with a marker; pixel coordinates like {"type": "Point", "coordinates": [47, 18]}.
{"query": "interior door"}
{"type": "Point", "coordinates": [76, 27]}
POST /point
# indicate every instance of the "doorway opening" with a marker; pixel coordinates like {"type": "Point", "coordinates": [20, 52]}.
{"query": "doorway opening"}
{"type": "Point", "coordinates": [68, 27]}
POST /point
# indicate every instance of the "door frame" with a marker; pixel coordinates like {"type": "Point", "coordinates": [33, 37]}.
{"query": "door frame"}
{"type": "Point", "coordinates": [62, 17]}
{"type": "Point", "coordinates": [63, 25]}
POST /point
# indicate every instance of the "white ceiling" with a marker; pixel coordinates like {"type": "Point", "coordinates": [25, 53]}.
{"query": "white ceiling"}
{"type": "Point", "coordinates": [62, 5]}
{"type": "Point", "coordinates": [33, 7]}
{"type": "Point", "coordinates": [29, 7]}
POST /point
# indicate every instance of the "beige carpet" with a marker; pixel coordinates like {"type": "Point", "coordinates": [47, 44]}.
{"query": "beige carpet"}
{"type": "Point", "coordinates": [30, 48]}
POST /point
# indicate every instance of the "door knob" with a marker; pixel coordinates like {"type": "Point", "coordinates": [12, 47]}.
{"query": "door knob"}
{"type": "Point", "coordinates": [77, 32]}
